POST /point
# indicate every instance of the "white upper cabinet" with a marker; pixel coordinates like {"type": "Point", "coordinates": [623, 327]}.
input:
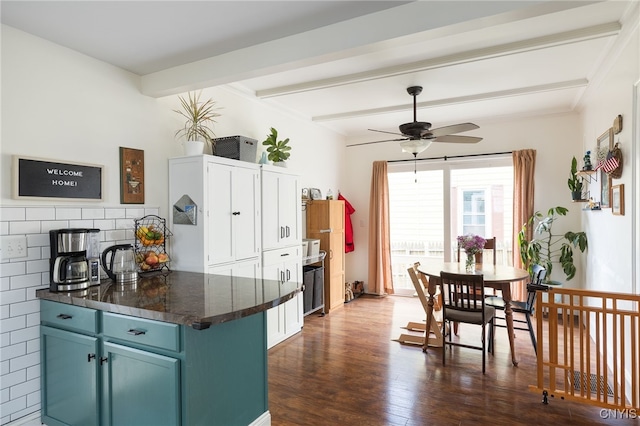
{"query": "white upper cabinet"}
{"type": "Point", "coordinates": [214, 205]}
{"type": "Point", "coordinates": [281, 209]}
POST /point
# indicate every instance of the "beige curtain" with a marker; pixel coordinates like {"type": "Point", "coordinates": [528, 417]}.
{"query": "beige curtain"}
{"type": "Point", "coordinates": [524, 164]}
{"type": "Point", "coordinates": [380, 281]}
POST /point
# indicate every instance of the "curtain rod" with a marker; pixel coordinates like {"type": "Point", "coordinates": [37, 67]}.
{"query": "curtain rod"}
{"type": "Point", "coordinates": [446, 157]}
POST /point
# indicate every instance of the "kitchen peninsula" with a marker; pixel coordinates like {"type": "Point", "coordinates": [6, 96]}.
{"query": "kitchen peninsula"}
{"type": "Point", "coordinates": [182, 348]}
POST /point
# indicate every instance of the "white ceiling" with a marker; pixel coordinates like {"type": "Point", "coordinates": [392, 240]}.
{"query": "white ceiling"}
{"type": "Point", "coordinates": [347, 64]}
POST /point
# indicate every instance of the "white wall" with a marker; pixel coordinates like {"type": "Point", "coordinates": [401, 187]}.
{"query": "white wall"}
{"type": "Point", "coordinates": [554, 137]}
{"type": "Point", "coordinates": [61, 105]}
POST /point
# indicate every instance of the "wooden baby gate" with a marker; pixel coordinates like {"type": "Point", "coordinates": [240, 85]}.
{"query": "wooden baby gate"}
{"type": "Point", "coordinates": [588, 348]}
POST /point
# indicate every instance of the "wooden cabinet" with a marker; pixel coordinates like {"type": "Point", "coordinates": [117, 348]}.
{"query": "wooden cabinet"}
{"type": "Point", "coordinates": [281, 209]}
{"type": "Point", "coordinates": [214, 212]}
{"type": "Point", "coordinates": [325, 221]}
{"type": "Point", "coordinates": [283, 321]}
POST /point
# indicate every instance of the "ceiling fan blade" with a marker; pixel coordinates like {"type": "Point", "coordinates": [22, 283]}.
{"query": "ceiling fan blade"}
{"type": "Point", "coordinates": [369, 143]}
{"type": "Point", "coordinates": [456, 128]}
{"type": "Point", "coordinates": [457, 139]}
{"type": "Point", "coordinates": [383, 131]}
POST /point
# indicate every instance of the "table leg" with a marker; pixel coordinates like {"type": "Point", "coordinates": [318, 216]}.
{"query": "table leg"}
{"type": "Point", "coordinates": [508, 315]}
{"type": "Point", "coordinates": [432, 291]}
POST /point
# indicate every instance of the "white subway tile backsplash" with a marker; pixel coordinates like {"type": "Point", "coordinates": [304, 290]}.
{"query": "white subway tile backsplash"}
{"type": "Point", "coordinates": [4, 311]}
{"type": "Point", "coordinates": [40, 213]}
{"type": "Point", "coordinates": [4, 395]}
{"type": "Point", "coordinates": [38, 240]}
{"type": "Point", "coordinates": [125, 224]}
{"type": "Point", "coordinates": [54, 224]}
{"type": "Point", "coordinates": [33, 253]}
{"type": "Point", "coordinates": [13, 324]}
{"type": "Point", "coordinates": [64, 213]}
{"type": "Point", "coordinates": [115, 235]}
{"type": "Point", "coordinates": [33, 372]}
{"type": "Point", "coordinates": [12, 269]}
{"type": "Point", "coordinates": [24, 361]}
{"type": "Point", "coordinates": [12, 213]}
{"type": "Point", "coordinates": [93, 213]}
{"type": "Point", "coordinates": [41, 265]}
{"type": "Point", "coordinates": [33, 345]}
{"type": "Point", "coordinates": [5, 283]}
{"type": "Point", "coordinates": [135, 213]}
{"type": "Point", "coordinates": [115, 213]}
{"type": "Point", "coordinates": [23, 389]}
{"type": "Point", "coordinates": [25, 334]}
{"type": "Point", "coordinates": [13, 296]}
{"type": "Point", "coordinates": [25, 227]}
{"type": "Point", "coordinates": [24, 308]}
{"type": "Point", "coordinates": [81, 223]}
{"type": "Point", "coordinates": [12, 351]}
{"type": "Point", "coordinates": [5, 339]}
{"type": "Point", "coordinates": [4, 367]}
{"type": "Point", "coordinates": [23, 281]}
{"type": "Point", "coordinates": [33, 319]}
{"type": "Point", "coordinates": [104, 223]}
{"type": "Point", "coordinates": [4, 228]}
{"type": "Point", "coordinates": [33, 400]}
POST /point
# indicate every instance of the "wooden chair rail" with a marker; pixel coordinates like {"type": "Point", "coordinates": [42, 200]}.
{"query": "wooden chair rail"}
{"type": "Point", "coordinates": [588, 349]}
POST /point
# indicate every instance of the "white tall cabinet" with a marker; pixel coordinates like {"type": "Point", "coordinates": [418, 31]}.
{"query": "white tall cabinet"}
{"type": "Point", "coordinates": [224, 235]}
{"type": "Point", "coordinates": [282, 247]}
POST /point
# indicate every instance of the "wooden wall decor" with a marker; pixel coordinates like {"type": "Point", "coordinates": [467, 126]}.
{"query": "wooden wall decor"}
{"type": "Point", "coordinates": [131, 176]}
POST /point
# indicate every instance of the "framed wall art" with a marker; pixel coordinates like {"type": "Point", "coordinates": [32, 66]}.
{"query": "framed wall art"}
{"type": "Point", "coordinates": [604, 145]}
{"type": "Point", "coordinates": [131, 176]}
{"type": "Point", "coordinates": [617, 199]}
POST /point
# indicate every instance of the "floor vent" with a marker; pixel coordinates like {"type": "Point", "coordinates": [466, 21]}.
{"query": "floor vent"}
{"type": "Point", "coordinates": [593, 382]}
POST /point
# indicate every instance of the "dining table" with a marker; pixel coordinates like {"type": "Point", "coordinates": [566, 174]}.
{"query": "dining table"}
{"type": "Point", "coordinates": [498, 277]}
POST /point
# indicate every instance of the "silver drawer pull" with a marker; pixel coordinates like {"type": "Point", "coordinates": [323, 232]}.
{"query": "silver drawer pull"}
{"type": "Point", "coordinates": [136, 332]}
{"type": "Point", "coordinates": [64, 316]}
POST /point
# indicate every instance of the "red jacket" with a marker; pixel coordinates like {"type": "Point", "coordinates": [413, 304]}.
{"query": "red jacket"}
{"type": "Point", "coordinates": [348, 227]}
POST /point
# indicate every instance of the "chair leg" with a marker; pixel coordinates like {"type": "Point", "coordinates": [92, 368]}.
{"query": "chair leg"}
{"type": "Point", "coordinates": [455, 328]}
{"type": "Point", "coordinates": [531, 333]}
{"type": "Point", "coordinates": [484, 343]}
{"type": "Point", "coordinates": [444, 343]}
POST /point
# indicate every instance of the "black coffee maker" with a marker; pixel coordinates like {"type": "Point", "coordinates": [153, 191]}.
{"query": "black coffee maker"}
{"type": "Point", "coordinates": [68, 266]}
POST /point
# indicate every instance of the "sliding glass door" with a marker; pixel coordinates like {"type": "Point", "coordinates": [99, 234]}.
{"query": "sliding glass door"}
{"type": "Point", "coordinates": [444, 199]}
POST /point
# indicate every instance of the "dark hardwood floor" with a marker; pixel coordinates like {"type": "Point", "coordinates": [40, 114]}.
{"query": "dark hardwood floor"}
{"type": "Point", "coordinates": [345, 369]}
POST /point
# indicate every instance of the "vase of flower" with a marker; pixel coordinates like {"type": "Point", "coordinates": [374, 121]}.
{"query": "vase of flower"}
{"type": "Point", "coordinates": [470, 263]}
{"type": "Point", "coordinates": [471, 244]}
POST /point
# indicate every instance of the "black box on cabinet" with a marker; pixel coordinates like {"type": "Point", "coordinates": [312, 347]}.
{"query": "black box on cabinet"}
{"type": "Point", "coordinates": [236, 147]}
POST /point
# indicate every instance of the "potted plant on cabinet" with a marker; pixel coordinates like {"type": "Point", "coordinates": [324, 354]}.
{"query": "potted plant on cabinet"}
{"type": "Point", "coordinates": [547, 248]}
{"type": "Point", "coordinates": [277, 151]}
{"type": "Point", "coordinates": [200, 116]}
{"type": "Point", "coordinates": [574, 182]}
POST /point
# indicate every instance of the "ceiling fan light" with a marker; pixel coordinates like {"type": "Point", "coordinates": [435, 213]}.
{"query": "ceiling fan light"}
{"type": "Point", "coordinates": [415, 146]}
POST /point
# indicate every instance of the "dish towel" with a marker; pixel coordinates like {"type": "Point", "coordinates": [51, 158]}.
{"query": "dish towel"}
{"type": "Point", "coordinates": [349, 246]}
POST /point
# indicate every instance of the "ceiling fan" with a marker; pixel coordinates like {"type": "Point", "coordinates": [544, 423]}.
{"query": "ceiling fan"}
{"type": "Point", "coordinates": [418, 135]}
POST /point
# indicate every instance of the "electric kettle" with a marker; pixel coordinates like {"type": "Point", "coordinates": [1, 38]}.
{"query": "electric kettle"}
{"type": "Point", "coordinates": [121, 266]}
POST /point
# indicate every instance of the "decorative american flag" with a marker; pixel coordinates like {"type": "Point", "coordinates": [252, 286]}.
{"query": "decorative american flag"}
{"type": "Point", "coordinates": [610, 164]}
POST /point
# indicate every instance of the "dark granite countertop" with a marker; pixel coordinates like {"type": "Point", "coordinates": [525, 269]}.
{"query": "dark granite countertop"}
{"type": "Point", "coordinates": [189, 298]}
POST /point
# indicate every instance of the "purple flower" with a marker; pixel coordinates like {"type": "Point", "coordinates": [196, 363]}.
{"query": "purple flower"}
{"type": "Point", "coordinates": [471, 243]}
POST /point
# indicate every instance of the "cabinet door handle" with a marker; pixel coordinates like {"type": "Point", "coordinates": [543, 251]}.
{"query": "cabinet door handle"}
{"type": "Point", "coordinates": [90, 357]}
{"type": "Point", "coordinates": [288, 274]}
{"type": "Point", "coordinates": [136, 332]}
{"type": "Point", "coordinates": [288, 231]}
{"type": "Point", "coordinates": [330, 254]}
{"type": "Point", "coordinates": [325, 231]}
{"type": "Point", "coordinates": [65, 316]}
{"type": "Point", "coordinates": [284, 254]}
{"type": "Point", "coordinates": [282, 276]}
{"type": "Point", "coordinates": [236, 213]}
{"type": "Point", "coordinates": [103, 360]}
{"type": "Point", "coordinates": [282, 232]}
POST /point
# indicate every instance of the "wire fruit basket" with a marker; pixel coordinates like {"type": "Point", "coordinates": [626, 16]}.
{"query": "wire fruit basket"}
{"type": "Point", "coordinates": [151, 244]}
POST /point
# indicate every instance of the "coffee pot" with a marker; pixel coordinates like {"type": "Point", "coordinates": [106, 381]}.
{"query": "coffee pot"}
{"type": "Point", "coordinates": [121, 267]}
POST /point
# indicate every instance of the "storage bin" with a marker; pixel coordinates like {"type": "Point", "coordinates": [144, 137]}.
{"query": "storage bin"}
{"type": "Point", "coordinates": [308, 292]}
{"type": "Point", "coordinates": [318, 286]}
{"type": "Point", "coordinates": [305, 248]}
{"type": "Point", "coordinates": [313, 247]}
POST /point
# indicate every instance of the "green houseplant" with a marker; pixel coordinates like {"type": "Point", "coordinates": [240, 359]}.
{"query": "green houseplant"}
{"type": "Point", "coordinates": [547, 248]}
{"type": "Point", "coordinates": [277, 151]}
{"type": "Point", "coordinates": [574, 182]}
{"type": "Point", "coordinates": [200, 116]}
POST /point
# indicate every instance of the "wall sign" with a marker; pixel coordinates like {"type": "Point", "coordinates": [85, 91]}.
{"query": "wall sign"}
{"type": "Point", "coordinates": [42, 178]}
{"type": "Point", "coordinates": [131, 176]}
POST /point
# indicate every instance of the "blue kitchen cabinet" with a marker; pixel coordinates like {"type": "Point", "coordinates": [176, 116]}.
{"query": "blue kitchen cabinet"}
{"type": "Point", "coordinates": [69, 378]}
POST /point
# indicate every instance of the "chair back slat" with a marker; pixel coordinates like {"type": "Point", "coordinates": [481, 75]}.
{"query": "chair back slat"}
{"type": "Point", "coordinates": [462, 292]}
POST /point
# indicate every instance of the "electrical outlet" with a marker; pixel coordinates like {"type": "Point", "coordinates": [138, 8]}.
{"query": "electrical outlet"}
{"type": "Point", "coordinates": [13, 246]}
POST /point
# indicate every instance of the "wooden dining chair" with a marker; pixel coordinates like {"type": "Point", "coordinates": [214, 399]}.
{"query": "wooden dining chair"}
{"type": "Point", "coordinates": [464, 302]}
{"type": "Point", "coordinates": [489, 245]}
{"type": "Point", "coordinates": [523, 307]}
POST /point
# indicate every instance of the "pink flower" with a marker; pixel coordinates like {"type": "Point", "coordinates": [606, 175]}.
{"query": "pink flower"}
{"type": "Point", "coordinates": [471, 243]}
